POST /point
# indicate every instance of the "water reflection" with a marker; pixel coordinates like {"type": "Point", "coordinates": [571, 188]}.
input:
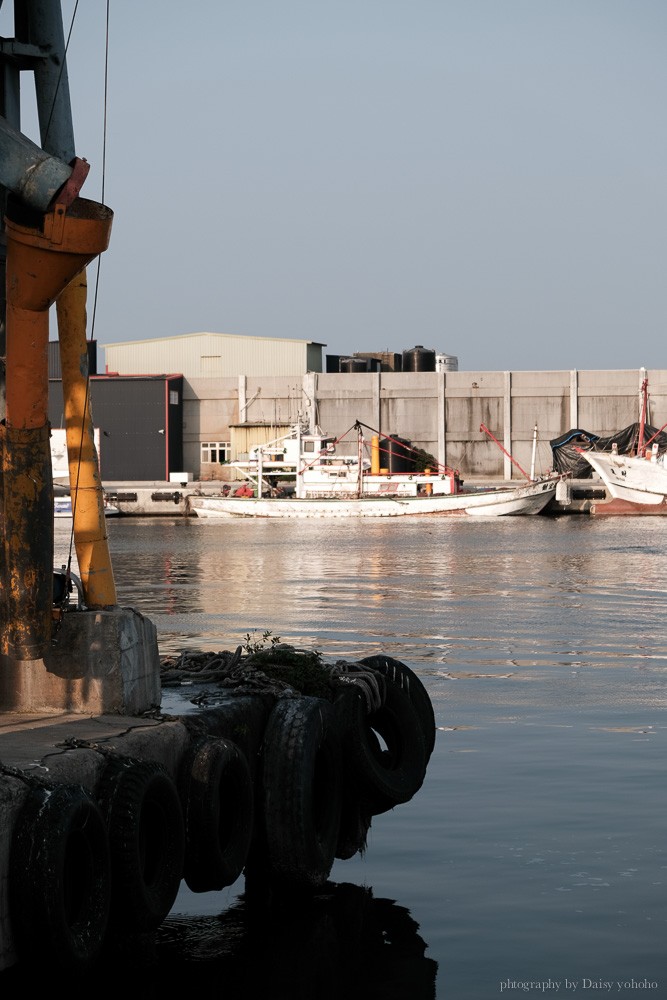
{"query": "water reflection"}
{"type": "Point", "coordinates": [541, 644]}
{"type": "Point", "coordinates": [341, 942]}
{"type": "Point", "coordinates": [484, 595]}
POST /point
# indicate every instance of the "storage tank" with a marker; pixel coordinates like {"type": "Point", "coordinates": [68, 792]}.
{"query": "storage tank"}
{"type": "Point", "coordinates": [353, 365]}
{"type": "Point", "coordinates": [397, 455]}
{"type": "Point", "coordinates": [419, 359]}
{"type": "Point", "coordinates": [446, 363]}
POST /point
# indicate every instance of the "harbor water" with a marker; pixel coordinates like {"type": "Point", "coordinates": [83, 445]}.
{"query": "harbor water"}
{"type": "Point", "coordinates": [533, 861]}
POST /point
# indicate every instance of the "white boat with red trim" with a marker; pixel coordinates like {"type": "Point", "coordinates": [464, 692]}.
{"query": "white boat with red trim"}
{"type": "Point", "coordinates": [327, 484]}
{"type": "Point", "coordinates": [637, 481]}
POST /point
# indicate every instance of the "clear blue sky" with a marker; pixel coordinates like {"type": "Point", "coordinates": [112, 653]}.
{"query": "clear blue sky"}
{"type": "Point", "coordinates": [484, 177]}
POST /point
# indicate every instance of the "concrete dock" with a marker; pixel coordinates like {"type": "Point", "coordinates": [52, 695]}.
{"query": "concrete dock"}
{"type": "Point", "coordinates": [270, 772]}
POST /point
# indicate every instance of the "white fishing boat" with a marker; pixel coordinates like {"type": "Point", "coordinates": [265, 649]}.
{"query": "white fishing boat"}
{"type": "Point", "coordinates": [318, 482]}
{"type": "Point", "coordinates": [637, 481]}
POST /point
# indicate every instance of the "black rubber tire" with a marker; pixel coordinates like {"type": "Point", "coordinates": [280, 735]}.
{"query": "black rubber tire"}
{"type": "Point", "coordinates": [384, 750]}
{"type": "Point", "coordinates": [218, 807]}
{"type": "Point", "coordinates": [140, 804]}
{"type": "Point", "coordinates": [301, 791]}
{"type": "Point", "coordinates": [399, 673]}
{"type": "Point", "coordinates": [60, 879]}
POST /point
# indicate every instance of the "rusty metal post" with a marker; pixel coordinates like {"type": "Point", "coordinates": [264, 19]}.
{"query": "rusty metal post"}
{"type": "Point", "coordinates": [28, 542]}
{"type": "Point", "coordinates": [44, 253]}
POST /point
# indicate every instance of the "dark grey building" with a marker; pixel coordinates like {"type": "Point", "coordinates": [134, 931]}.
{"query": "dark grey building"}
{"type": "Point", "coordinates": [140, 422]}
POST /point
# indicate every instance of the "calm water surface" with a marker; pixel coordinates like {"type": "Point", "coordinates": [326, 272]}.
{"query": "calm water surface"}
{"type": "Point", "coordinates": [536, 851]}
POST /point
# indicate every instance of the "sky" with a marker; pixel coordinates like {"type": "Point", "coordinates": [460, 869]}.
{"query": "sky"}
{"type": "Point", "coordinates": [485, 178]}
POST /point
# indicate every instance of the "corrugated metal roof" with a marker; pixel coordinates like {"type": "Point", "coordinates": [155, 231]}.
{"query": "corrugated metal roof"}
{"type": "Point", "coordinates": [214, 355]}
{"type": "Point", "coordinates": [207, 333]}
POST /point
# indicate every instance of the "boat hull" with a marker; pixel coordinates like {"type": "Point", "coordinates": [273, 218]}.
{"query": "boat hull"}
{"type": "Point", "coordinates": [618, 508]}
{"type": "Point", "coordinates": [634, 480]}
{"type": "Point", "coordinates": [525, 500]}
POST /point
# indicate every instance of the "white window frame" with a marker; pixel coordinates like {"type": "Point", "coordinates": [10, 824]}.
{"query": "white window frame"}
{"type": "Point", "coordinates": [222, 450]}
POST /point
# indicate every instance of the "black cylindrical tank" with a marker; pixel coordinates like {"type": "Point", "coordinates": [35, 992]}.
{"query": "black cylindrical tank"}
{"type": "Point", "coordinates": [396, 455]}
{"type": "Point", "coordinates": [419, 359]}
{"type": "Point", "coordinates": [353, 365]}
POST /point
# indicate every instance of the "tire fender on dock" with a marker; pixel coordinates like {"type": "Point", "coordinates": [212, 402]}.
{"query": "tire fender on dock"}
{"type": "Point", "coordinates": [383, 749]}
{"type": "Point", "coordinates": [396, 672]}
{"type": "Point", "coordinates": [301, 790]}
{"type": "Point", "coordinates": [142, 810]}
{"type": "Point", "coordinates": [60, 878]}
{"type": "Point", "coordinates": [217, 796]}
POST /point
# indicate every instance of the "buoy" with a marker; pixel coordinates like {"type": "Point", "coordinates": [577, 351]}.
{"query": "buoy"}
{"type": "Point", "coordinates": [563, 494]}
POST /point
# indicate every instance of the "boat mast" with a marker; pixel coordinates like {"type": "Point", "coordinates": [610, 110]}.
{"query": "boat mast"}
{"type": "Point", "coordinates": [643, 416]}
{"type": "Point", "coordinates": [298, 483]}
{"type": "Point", "coordinates": [260, 470]}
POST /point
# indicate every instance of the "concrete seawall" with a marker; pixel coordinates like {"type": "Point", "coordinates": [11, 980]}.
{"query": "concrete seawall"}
{"type": "Point", "coordinates": [440, 412]}
{"type": "Point", "coordinates": [161, 500]}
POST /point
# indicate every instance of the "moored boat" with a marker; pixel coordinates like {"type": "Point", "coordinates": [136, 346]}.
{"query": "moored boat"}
{"type": "Point", "coordinates": [326, 484]}
{"type": "Point", "coordinates": [636, 484]}
{"type": "Point", "coordinates": [636, 481]}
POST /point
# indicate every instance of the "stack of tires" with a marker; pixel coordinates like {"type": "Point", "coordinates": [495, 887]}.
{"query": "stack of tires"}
{"type": "Point", "coordinates": [328, 767]}
{"type": "Point", "coordinates": [87, 869]}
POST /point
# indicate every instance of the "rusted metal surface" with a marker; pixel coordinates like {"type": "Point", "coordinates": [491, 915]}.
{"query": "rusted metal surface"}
{"type": "Point", "coordinates": [89, 522]}
{"type": "Point", "coordinates": [27, 542]}
{"type": "Point", "coordinates": [43, 255]}
{"type": "Point", "coordinates": [38, 179]}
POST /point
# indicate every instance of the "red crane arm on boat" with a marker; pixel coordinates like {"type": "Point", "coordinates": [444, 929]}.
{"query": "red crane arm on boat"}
{"type": "Point", "coordinates": [486, 430]}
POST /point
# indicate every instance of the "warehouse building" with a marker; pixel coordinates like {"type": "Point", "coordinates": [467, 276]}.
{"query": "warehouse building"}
{"type": "Point", "coordinates": [153, 423]}
{"type": "Point", "coordinates": [213, 355]}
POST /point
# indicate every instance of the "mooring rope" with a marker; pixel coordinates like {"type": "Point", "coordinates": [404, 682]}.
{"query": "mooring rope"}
{"type": "Point", "coordinates": [282, 671]}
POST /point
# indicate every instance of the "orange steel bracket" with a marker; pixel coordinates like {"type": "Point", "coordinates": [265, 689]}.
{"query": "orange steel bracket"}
{"type": "Point", "coordinates": [90, 536]}
{"type": "Point", "coordinates": [44, 253]}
